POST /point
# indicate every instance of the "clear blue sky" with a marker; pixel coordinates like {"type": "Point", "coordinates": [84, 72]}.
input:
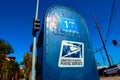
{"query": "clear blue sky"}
{"type": "Point", "coordinates": [16, 19]}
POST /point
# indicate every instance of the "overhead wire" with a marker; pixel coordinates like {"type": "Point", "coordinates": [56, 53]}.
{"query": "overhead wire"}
{"type": "Point", "coordinates": [111, 19]}
{"type": "Point", "coordinates": [116, 10]}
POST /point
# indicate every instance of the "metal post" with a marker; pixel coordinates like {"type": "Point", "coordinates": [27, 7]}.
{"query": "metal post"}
{"type": "Point", "coordinates": [36, 16]}
{"type": "Point", "coordinates": [34, 46]}
{"type": "Point", "coordinates": [98, 28]}
{"type": "Point", "coordinates": [33, 59]}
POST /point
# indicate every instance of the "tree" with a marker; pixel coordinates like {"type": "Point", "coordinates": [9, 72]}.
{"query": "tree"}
{"type": "Point", "coordinates": [13, 69]}
{"type": "Point", "coordinates": [27, 64]}
{"type": "Point", "coordinates": [10, 69]}
{"type": "Point", "coordinates": [21, 75]}
{"type": "Point", "coordinates": [5, 48]}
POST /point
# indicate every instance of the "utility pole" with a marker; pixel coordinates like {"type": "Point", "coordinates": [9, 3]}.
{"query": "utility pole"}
{"type": "Point", "coordinates": [98, 28]}
{"type": "Point", "coordinates": [36, 28]}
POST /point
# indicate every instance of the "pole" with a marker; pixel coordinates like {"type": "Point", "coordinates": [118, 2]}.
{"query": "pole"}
{"type": "Point", "coordinates": [98, 28]}
{"type": "Point", "coordinates": [36, 16]}
{"type": "Point", "coordinates": [33, 59]}
{"type": "Point", "coordinates": [34, 45]}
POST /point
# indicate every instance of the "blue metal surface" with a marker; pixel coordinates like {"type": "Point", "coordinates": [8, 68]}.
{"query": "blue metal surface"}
{"type": "Point", "coordinates": [66, 52]}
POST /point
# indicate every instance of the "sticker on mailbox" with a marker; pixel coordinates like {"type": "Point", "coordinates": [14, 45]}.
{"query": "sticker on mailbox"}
{"type": "Point", "coordinates": [71, 54]}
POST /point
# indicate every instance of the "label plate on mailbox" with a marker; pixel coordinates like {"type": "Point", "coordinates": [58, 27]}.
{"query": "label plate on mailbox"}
{"type": "Point", "coordinates": [71, 54]}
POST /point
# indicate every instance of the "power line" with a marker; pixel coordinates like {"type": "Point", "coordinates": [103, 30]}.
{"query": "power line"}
{"type": "Point", "coordinates": [111, 18]}
{"type": "Point", "coordinates": [116, 9]}
{"type": "Point", "coordinates": [98, 28]}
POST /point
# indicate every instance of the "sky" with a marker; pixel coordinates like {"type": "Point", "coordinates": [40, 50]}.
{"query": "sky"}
{"type": "Point", "coordinates": [16, 21]}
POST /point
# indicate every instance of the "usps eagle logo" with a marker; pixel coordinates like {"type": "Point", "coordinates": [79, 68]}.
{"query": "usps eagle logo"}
{"type": "Point", "coordinates": [71, 54]}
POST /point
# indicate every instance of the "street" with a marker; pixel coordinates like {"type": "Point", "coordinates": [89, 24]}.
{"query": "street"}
{"type": "Point", "coordinates": [117, 77]}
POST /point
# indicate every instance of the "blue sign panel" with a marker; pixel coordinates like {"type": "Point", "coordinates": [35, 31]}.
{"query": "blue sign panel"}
{"type": "Point", "coordinates": [66, 52]}
{"type": "Point", "coordinates": [67, 24]}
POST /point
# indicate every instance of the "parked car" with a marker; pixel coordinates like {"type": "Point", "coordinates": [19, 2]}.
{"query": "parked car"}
{"type": "Point", "coordinates": [101, 69]}
{"type": "Point", "coordinates": [112, 70]}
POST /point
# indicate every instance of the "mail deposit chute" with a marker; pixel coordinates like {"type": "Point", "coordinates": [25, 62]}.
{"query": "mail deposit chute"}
{"type": "Point", "coordinates": [64, 48]}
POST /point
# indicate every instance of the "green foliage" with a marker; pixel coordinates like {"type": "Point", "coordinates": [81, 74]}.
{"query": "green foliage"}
{"type": "Point", "coordinates": [10, 66]}
{"type": "Point", "coordinates": [27, 63]}
{"type": "Point", "coordinates": [7, 66]}
{"type": "Point", "coordinates": [5, 47]}
{"type": "Point", "coordinates": [21, 75]}
{"type": "Point", "coordinates": [13, 68]}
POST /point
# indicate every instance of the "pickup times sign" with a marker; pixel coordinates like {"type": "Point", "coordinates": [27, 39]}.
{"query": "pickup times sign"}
{"type": "Point", "coordinates": [71, 54]}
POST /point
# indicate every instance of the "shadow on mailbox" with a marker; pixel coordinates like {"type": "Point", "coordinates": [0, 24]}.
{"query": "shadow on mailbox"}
{"type": "Point", "coordinates": [64, 48]}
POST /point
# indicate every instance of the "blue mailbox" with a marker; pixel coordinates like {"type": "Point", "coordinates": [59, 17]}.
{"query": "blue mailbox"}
{"type": "Point", "coordinates": [64, 48]}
